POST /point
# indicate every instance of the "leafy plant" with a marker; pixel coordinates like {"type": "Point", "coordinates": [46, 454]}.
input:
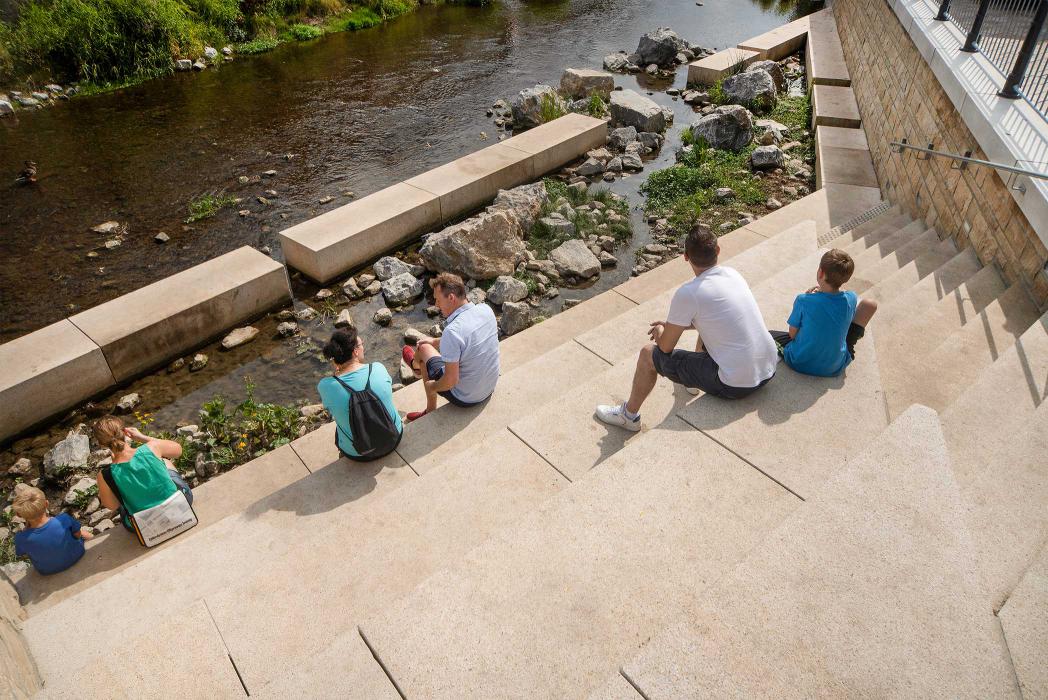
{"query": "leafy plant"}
{"type": "Point", "coordinates": [248, 430]}
{"type": "Point", "coordinates": [304, 32]}
{"type": "Point", "coordinates": [551, 108]}
{"type": "Point", "coordinates": [207, 205]}
{"type": "Point", "coordinates": [84, 497]}
{"type": "Point", "coordinates": [596, 107]}
{"type": "Point", "coordinates": [256, 46]}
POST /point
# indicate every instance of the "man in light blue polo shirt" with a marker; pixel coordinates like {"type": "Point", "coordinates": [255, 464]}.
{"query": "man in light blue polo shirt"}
{"type": "Point", "coordinates": [462, 365]}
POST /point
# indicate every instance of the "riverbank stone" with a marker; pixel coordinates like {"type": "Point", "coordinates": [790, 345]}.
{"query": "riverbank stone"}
{"type": "Point", "coordinates": [583, 82]}
{"type": "Point", "coordinates": [659, 47]}
{"type": "Point", "coordinates": [70, 453]}
{"type": "Point", "coordinates": [402, 288]}
{"type": "Point", "coordinates": [286, 329]}
{"type": "Point", "coordinates": [128, 403]}
{"type": "Point", "coordinates": [239, 336]}
{"type": "Point", "coordinates": [729, 127]}
{"type": "Point", "coordinates": [524, 203]}
{"type": "Point", "coordinates": [516, 316]}
{"type": "Point", "coordinates": [630, 108]}
{"type": "Point", "coordinates": [383, 317]}
{"type": "Point", "coordinates": [527, 106]}
{"type": "Point", "coordinates": [767, 158]}
{"type": "Point", "coordinates": [6, 108]}
{"type": "Point", "coordinates": [507, 289]}
{"type": "Point", "coordinates": [483, 247]}
{"type": "Point", "coordinates": [575, 259]}
{"type": "Point", "coordinates": [752, 88]}
{"type": "Point", "coordinates": [773, 69]}
{"type": "Point", "coordinates": [622, 137]}
{"type": "Point", "coordinates": [344, 319]}
{"type": "Point", "coordinates": [389, 267]}
{"type": "Point", "coordinates": [198, 362]}
{"type": "Point", "coordinates": [620, 62]}
{"type": "Point", "coordinates": [183, 64]}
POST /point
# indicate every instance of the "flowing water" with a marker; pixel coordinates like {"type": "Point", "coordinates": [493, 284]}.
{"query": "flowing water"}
{"type": "Point", "coordinates": [349, 112]}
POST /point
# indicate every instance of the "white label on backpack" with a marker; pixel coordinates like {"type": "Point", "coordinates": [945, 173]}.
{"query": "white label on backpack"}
{"type": "Point", "coordinates": [165, 520]}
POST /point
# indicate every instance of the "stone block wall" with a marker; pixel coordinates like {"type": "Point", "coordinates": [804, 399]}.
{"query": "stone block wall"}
{"type": "Point", "coordinates": [18, 674]}
{"type": "Point", "coordinates": [900, 97]}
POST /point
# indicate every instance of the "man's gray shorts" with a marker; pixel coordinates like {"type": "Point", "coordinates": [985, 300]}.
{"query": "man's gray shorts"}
{"type": "Point", "coordinates": [697, 370]}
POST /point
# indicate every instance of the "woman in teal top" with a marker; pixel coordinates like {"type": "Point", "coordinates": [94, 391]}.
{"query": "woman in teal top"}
{"type": "Point", "coordinates": [143, 476]}
{"type": "Point", "coordinates": [346, 352]}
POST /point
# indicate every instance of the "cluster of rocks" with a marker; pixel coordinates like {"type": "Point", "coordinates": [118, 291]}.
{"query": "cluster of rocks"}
{"type": "Point", "coordinates": [657, 52]}
{"type": "Point", "coordinates": [665, 245]}
{"type": "Point", "coordinates": [35, 99]}
{"type": "Point", "coordinates": [211, 56]}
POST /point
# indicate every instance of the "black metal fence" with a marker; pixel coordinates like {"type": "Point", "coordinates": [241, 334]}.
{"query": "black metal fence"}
{"type": "Point", "coordinates": [1011, 35]}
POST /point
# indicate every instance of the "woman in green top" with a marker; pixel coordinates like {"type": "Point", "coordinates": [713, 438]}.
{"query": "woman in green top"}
{"type": "Point", "coordinates": [143, 476]}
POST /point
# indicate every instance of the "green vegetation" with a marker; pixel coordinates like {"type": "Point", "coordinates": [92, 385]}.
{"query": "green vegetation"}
{"type": "Point", "coordinates": [542, 239]}
{"type": "Point", "coordinates": [686, 192]}
{"type": "Point", "coordinates": [207, 205]}
{"type": "Point", "coordinates": [551, 108]}
{"type": "Point", "coordinates": [114, 43]}
{"type": "Point", "coordinates": [596, 107]}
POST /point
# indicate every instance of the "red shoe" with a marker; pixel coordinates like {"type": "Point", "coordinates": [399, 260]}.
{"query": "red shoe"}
{"type": "Point", "coordinates": [415, 415]}
{"type": "Point", "coordinates": [408, 354]}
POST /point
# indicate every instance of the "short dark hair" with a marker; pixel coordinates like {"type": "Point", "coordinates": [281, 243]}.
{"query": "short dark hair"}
{"type": "Point", "coordinates": [449, 284]}
{"type": "Point", "coordinates": [701, 246]}
{"type": "Point", "coordinates": [837, 267]}
{"type": "Point", "coordinates": [341, 346]}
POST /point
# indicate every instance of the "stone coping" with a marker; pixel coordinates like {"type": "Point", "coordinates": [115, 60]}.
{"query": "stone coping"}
{"type": "Point", "coordinates": [707, 71]}
{"type": "Point", "coordinates": [52, 369]}
{"type": "Point", "coordinates": [824, 59]}
{"type": "Point", "coordinates": [1008, 131]}
{"type": "Point", "coordinates": [345, 238]}
{"type": "Point", "coordinates": [773, 45]}
{"type": "Point", "coordinates": [779, 42]}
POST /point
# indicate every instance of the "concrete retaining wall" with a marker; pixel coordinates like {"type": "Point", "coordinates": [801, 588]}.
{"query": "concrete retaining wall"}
{"type": "Point", "coordinates": [66, 363]}
{"type": "Point", "coordinates": [779, 42]}
{"type": "Point", "coordinates": [342, 239]}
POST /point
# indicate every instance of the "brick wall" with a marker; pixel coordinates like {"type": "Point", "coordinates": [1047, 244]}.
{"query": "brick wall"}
{"type": "Point", "coordinates": [899, 97]}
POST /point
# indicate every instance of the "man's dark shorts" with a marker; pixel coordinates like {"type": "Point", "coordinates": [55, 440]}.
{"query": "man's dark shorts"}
{"type": "Point", "coordinates": [697, 370]}
{"type": "Point", "coordinates": [435, 369]}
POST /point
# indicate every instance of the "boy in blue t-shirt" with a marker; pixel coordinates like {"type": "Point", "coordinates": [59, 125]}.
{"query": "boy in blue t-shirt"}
{"type": "Point", "coordinates": [826, 322]}
{"type": "Point", "coordinates": [52, 544]}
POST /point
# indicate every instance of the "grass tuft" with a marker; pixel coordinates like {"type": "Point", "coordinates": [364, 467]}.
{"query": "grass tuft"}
{"type": "Point", "coordinates": [207, 205]}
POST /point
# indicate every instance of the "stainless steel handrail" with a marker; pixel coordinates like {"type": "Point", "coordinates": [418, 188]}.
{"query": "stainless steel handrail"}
{"type": "Point", "coordinates": [900, 146]}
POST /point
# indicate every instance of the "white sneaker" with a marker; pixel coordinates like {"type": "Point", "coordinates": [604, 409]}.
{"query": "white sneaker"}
{"type": "Point", "coordinates": [614, 415]}
{"type": "Point", "coordinates": [693, 390]}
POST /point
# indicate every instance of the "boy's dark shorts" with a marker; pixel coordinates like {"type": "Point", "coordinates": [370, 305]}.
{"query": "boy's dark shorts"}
{"type": "Point", "coordinates": [697, 370]}
{"type": "Point", "coordinates": [435, 370]}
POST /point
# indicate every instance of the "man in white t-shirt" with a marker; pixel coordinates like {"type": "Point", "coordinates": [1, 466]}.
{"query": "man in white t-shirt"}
{"type": "Point", "coordinates": [462, 365]}
{"type": "Point", "coordinates": [735, 354]}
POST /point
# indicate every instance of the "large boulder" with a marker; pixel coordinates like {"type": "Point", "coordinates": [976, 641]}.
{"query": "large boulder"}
{"type": "Point", "coordinates": [659, 47]}
{"type": "Point", "coordinates": [583, 82]}
{"type": "Point", "coordinates": [767, 158]}
{"type": "Point", "coordinates": [71, 453]}
{"type": "Point", "coordinates": [524, 202]}
{"type": "Point", "coordinates": [774, 70]}
{"type": "Point", "coordinates": [507, 289]}
{"type": "Point", "coordinates": [729, 127]}
{"type": "Point", "coordinates": [574, 258]}
{"type": "Point", "coordinates": [753, 88]}
{"type": "Point", "coordinates": [622, 137]}
{"type": "Point", "coordinates": [403, 288]}
{"type": "Point", "coordinates": [483, 247]}
{"type": "Point", "coordinates": [629, 108]}
{"type": "Point", "coordinates": [516, 316]}
{"type": "Point", "coordinates": [527, 107]}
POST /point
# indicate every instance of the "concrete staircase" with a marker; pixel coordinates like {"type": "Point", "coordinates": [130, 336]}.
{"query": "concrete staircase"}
{"type": "Point", "coordinates": [526, 549]}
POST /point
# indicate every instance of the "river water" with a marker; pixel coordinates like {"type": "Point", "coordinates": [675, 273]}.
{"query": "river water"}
{"type": "Point", "coordinates": [349, 112]}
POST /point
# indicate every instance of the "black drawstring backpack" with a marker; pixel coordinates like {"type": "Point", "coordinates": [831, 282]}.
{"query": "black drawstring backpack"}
{"type": "Point", "coordinates": [374, 432]}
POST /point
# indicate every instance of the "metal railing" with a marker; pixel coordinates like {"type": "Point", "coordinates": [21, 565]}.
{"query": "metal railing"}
{"type": "Point", "coordinates": [1011, 35]}
{"type": "Point", "coordinates": [964, 161]}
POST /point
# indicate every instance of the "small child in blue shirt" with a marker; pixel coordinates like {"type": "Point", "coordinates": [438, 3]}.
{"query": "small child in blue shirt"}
{"type": "Point", "coordinates": [826, 322]}
{"type": "Point", "coordinates": [52, 544]}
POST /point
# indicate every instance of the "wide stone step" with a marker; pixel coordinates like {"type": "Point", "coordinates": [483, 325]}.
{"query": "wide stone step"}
{"type": "Point", "coordinates": [550, 606]}
{"type": "Point", "coordinates": [979, 424]}
{"type": "Point", "coordinates": [1006, 508]}
{"type": "Point", "coordinates": [891, 280]}
{"type": "Point", "coordinates": [833, 205]}
{"type": "Point", "coordinates": [892, 218]}
{"type": "Point", "coordinates": [846, 588]}
{"type": "Point", "coordinates": [866, 257]}
{"type": "Point", "coordinates": [913, 243]}
{"type": "Point", "coordinates": [937, 378]}
{"type": "Point", "coordinates": [1025, 622]}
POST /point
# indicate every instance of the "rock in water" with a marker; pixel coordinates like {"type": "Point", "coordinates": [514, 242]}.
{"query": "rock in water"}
{"type": "Point", "coordinates": [22, 467]}
{"type": "Point", "coordinates": [631, 161]}
{"type": "Point", "coordinates": [574, 258]}
{"type": "Point", "coordinates": [516, 316]}
{"type": "Point", "coordinates": [483, 247]}
{"type": "Point", "coordinates": [389, 267]}
{"type": "Point", "coordinates": [198, 362]}
{"type": "Point", "coordinates": [352, 290]}
{"type": "Point", "coordinates": [622, 137]}
{"type": "Point", "coordinates": [629, 108]}
{"type": "Point", "coordinates": [767, 158]}
{"type": "Point", "coordinates": [774, 70]}
{"type": "Point", "coordinates": [620, 63]}
{"type": "Point", "coordinates": [128, 403]}
{"type": "Point", "coordinates": [71, 452]}
{"type": "Point", "coordinates": [161, 237]}
{"type": "Point", "coordinates": [210, 52]}
{"type": "Point", "coordinates": [524, 202]}
{"type": "Point", "coordinates": [183, 64]}
{"type": "Point", "coordinates": [753, 88]}
{"type": "Point", "coordinates": [590, 167]}
{"type": "Point", "coordinates": [507, 289]}
{"type": "Point", "coordinates": [527, 107]}
{"type": "Point", "coordinates": [287, 329]}
{"type": "Point", "coordinates": [729, 127]}
{"type": "Point", "coordinates": [659, 47]}
{"type": "Point", "coordinates": [6, 108]}
{"type": "Point", "coordinates": [383, 317]}
{"type": "Point", "coordinates": [108, 228]}
{"type": "Point", "coordinates": [240, 336]}
{"type": "Point", "coordinates": [583, 82]}
{"type": "Point", "coordinates": [402, 288]}
{"type": "Point", "coordinates": [344, 320]}
{"type": "Point", "coordinates": [607, 259]}
{"type": "Point", "coordinates": [413, 336]}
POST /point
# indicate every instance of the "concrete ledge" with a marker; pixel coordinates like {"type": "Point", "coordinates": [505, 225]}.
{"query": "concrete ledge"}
{"type": "Point", "coordinates": [560, 141]}
{"type": "Point", "coordinates": [709, 70]}
{"type": "Point", "coordinates": [339, 240]}
{"type": "Point", "coordinates": [824, 59]}
{"type": "Point", "coordinates": [779, 42]}
{"type": "Point", "coordinates": [471, 181]}
{"type": "Point", "coordinates": [842, 156]}
{"type": "Point", "coordinates": [148, 327]}
{"type": "Point", "coordinates": [45, 372]}
{"type": "Point", "coordinates": [834, 106]}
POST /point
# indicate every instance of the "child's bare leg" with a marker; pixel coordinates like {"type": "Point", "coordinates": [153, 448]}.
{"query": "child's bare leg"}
{"type": "Point", "coordinates": [864, 312]}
